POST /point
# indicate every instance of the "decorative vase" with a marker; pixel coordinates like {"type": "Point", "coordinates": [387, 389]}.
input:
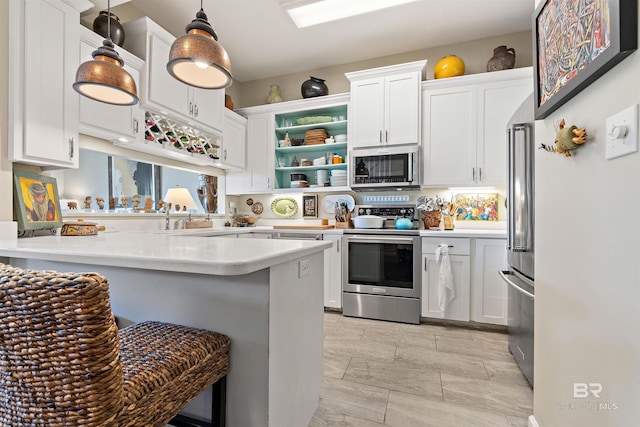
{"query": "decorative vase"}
{"type": "Point", "coordinates": [503, 59]}
{"type": "Point", "coordinates": [100, 27]}
{"type": "Point", "coordinates": [314, 87]}
{"type": "Point", "coordinates": [274, 95]}
{"type": "Point", "coordinates": [228, 102]}
{"type": "Point", "coordinates": [449, 66]}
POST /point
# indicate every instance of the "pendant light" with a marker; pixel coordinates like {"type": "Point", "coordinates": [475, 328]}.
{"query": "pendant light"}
{"type": "Point", "coordinates": [103, 78]}
{"type": "Point", "coordinates": [197, 58]}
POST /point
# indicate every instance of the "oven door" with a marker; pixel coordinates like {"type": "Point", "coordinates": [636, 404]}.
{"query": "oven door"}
{"type": "Point", "coordinates": [381, 265]}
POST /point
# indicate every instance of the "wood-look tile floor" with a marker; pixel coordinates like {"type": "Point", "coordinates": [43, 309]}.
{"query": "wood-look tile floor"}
{"type": "Point", "coordinates": [389, 374]}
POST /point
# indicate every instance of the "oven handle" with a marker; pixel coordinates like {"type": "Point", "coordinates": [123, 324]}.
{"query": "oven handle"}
{"type": "Point", "coordinates": [382, 239]}
{"type": "Point", "coordinates": [504, 275]}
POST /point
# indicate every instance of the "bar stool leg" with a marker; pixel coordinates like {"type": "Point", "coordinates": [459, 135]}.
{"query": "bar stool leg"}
{"type": "Point", "coordinates": [219, 403]}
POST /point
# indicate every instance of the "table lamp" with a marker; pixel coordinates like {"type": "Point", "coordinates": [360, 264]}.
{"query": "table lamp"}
{"type": "Point", "coordinates": [180, 198]}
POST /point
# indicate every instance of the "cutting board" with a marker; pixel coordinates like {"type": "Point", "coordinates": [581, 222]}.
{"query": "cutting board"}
{"type": "Point", "coordinates": [303, 227]}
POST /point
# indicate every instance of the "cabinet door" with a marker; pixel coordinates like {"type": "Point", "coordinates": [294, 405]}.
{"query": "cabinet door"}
{"type": "Point", "coordinates": [260, 152]}
{"type": "Point", "coordinates": [207, 107]}
{"type": "Point", "coordinates": [234, 141]}
{"type": "Point", "coordinates": [333, 272]}
{"type": "Point", "coordinates": [258, 176]}
{"type": "Point", "coordinates": [105, 120]}
{"type": "Point", "coordinates": [458, 309]}
{"type": "Point", "coordinates": [449, 136]}
{"type": "Point", "coordinates": [402, 112]}
{"type": "Point", "coordinates": [497, 102]}
{"type": "Point", "coordinates": [489, 292]}
{"type": "Point", "coordinates": [165, 91]}
{"type": "Point", "coordinates": [366, 120]}
{"type": "Point", "coordinates": [45, 56]}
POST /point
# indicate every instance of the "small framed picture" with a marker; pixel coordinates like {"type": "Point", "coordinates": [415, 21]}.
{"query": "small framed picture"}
{"type": "Point", "coordinates": [36, 202]}
{"type": "Point", "coordinates": [310, 206]}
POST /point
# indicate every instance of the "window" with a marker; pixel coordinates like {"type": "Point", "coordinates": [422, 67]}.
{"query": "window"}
{"type": "Point", "coordinates": [118, 179]}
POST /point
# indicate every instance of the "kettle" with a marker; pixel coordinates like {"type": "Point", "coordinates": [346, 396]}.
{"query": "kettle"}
{"type": "Point", "coordinates": [404, 223]}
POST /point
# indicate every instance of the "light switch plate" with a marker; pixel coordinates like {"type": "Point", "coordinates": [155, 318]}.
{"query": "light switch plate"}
{"type": "Point", "coordinates": [626, 120]}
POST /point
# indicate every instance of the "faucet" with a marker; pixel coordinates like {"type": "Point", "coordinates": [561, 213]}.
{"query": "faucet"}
{"type": "Point", "coordinates": [167, 209]}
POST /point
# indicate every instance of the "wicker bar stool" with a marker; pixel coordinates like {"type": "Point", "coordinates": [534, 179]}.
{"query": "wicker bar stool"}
{"type": "Point", "coordinates": [63, 361]}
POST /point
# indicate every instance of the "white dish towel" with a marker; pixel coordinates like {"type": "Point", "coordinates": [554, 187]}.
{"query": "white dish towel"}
{"type": "Point", "coordinates": [446, 294]}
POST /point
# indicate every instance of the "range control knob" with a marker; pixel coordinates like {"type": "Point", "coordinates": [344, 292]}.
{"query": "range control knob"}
{"type": "Point", "coordinates": [368, 211]}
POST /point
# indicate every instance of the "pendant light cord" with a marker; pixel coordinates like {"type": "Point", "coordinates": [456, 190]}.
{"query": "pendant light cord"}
{"type": "Point", "coordinates": [109, 19]}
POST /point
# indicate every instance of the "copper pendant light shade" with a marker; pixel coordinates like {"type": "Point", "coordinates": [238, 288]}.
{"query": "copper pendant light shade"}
{"type": "Point", "coordinates": [103, 78]}
{"type": "Point", "coordinates": [197, 58]}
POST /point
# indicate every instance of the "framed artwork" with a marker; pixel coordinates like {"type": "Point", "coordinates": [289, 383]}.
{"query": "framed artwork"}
{"type": "Point", "coordinates": [476, 207]}
{"type": "Point", "coordinates": [310, 206]}
{"type": "Point", "coordinates": [575, 42]}
{"type": "Point", "coordinates": [36, 202]}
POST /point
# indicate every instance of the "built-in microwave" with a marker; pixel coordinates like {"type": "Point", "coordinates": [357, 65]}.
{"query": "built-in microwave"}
{"type": "Point", "coordinates": [384, 168]}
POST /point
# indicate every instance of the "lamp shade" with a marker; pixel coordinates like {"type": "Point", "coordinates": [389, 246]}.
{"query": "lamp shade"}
{"type": "Point", "coordinates": [180, 199]}
{"type": "Point", "coordinates": [197, 58]}
{"type": "Point", "coordinates": [103, 78]}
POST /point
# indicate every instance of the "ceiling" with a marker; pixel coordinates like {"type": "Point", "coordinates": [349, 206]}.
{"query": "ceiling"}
{"type": "Point", "coordinates": [263, 42]}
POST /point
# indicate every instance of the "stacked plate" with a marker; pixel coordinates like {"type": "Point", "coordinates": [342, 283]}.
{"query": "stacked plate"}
{"type": "Point", "coordinates": [338, 178]}
{"type": "Point", "coordinates": [316, 136]}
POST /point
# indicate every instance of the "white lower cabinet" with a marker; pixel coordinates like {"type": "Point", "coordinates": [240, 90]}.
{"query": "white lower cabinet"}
{"type": "Point", "coordinates": [458, 308]}
{"type": "Point", "coordinates": [333, 272]}
{"type": "Point", "coordinates": [489, 292]}
{"type": "Point", "coordinates": [480, 294]}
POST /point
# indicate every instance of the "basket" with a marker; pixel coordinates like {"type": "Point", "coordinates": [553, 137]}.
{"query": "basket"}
{"type": "Point", "coordinates": [431, 219]}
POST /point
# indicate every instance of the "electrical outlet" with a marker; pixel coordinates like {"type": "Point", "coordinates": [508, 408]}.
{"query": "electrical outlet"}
{"type": "Point", "coordinates": [303, 268]}
{"type": "Point", "coordinates": [622, 133]}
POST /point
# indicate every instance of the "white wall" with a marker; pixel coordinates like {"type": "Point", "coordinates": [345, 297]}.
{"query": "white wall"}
{"type": "Point", "coordinates": [6, 179]}
{"type": "Point", "coordinates": [587, 276]}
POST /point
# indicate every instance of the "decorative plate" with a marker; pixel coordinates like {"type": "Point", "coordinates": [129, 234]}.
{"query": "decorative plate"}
{"type": "Point", "coordinates": [284, 207]}
{"type": "Point", "coordinates": [329, 202]}
{"type": "Point", "coordinates": [257, 208]}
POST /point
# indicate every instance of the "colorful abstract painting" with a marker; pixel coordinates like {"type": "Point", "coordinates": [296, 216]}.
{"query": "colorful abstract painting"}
{"type": "Point", "coordinates": [476, 207]}
{"type": "Point", "coordinates": [572, 33]}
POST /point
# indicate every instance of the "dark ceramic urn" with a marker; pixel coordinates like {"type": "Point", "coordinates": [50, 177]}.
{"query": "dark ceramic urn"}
{"type": "Point", "coordinates": [314, 87]}
{"type": "Point", "coordinates": [100, 27]}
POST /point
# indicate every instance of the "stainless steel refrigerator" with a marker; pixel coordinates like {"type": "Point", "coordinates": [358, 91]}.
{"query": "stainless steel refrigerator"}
{"type": "Point", "coordinates": [520, 236]}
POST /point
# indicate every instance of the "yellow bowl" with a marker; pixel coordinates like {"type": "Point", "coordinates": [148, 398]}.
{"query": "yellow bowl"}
{"type": "Point", "coordinates": [449, 66]}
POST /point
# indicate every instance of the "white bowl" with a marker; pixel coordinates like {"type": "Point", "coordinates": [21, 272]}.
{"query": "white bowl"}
{"type": "Point", "coordinates": [320, 161]}
{"type": "Point", "coordinates": [329, 141]}
{"type": "Point", "coordinates": [340, 138]}
{"type": "Point", "coordinates": [339, 172]}
{"type": "Point", "coordinates": [368, 221]}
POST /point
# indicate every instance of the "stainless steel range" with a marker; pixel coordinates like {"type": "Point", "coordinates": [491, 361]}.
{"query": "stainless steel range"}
{"type": "Point", "coordinates": [381, 267]}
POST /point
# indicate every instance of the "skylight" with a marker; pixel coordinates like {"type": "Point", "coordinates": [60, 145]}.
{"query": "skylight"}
{"type": "Point", "coordinates": [306, 13]}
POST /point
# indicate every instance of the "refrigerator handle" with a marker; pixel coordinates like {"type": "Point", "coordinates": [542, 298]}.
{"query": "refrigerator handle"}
{"type": "Point", "coordinates": [509, 282]}
{"type": "Point", "coordinates": [511, 228]}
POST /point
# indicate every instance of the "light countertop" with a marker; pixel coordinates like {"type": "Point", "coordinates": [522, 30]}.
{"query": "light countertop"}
{"type": "Point", "coordinates": [189, 251]}
{"type": "Point", "coordinates": [466, 232]}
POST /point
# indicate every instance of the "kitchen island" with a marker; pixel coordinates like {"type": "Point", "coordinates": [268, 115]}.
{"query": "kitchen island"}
{"type": "Point", "coordinates": [266, 295]}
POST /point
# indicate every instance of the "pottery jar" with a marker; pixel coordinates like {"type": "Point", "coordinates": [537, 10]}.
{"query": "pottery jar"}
{"type": "Point", "coordinates": [503, 59]}
{"type": "Point", "coordinates": [116, 30]}
{"type": "Point", "coordinates": [314, 87]}
{"type": "Point", "coordinates": [274, 95]}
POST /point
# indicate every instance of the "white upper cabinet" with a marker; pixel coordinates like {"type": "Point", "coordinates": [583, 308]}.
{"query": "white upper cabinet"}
{"type": "Point", "coordinates": [258, 175]}
{"type": "Point", "coordinates": [161, 92]}
{"type": "Point", "coordinates": [385, 105]}
{"type": "Point", "coordinates": [43, 107]}
{"type": "Point", "coordinates": [233, 141]}
{"type": "Point", "coordinates": [107, 121]}
{"type": "Point", "coordinates": [464, 122]}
